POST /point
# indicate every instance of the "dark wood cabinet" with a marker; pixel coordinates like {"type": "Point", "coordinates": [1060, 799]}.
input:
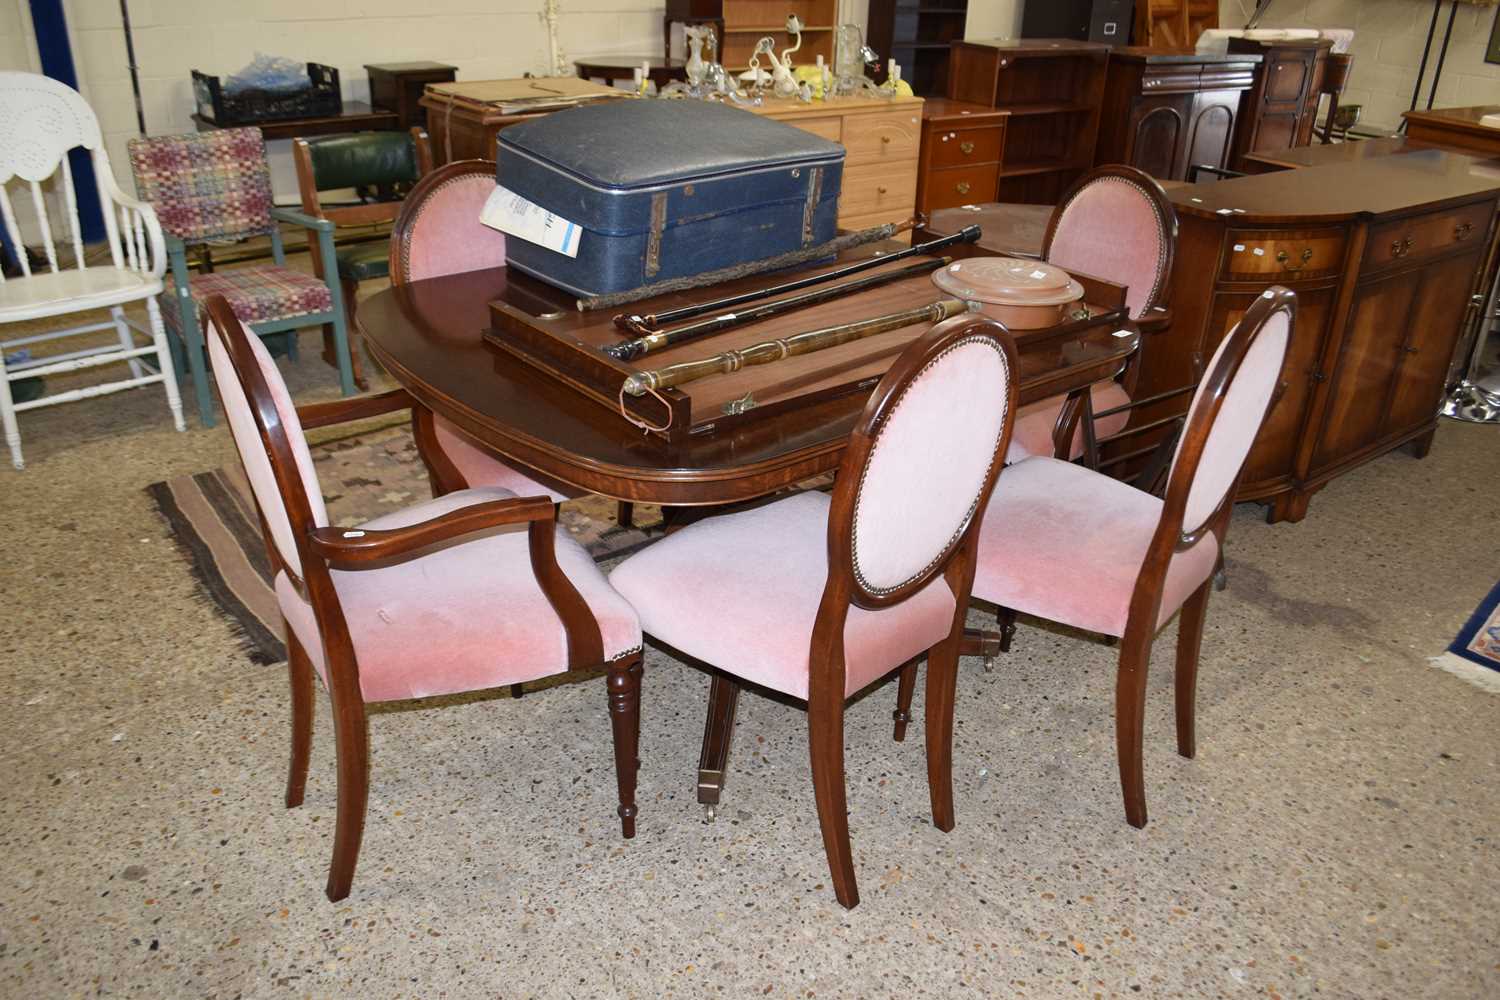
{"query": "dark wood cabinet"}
{"type": "Point", "coordinates": [1279, 111]}
{"type": "Point", "coordinates": [398, 87]}
{"type": "Point", "coordinates": [960, 162]}
{"type": "Point", "coordinates": [1385, 255]}
{"type": "Point", "coordinates": [1167, 111]}
{"type": "Point", "coordinates": [917, 34]}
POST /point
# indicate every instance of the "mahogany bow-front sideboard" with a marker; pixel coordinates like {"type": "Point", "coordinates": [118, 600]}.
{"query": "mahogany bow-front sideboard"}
{"type": "Point", "coordinates": [1386, 255]}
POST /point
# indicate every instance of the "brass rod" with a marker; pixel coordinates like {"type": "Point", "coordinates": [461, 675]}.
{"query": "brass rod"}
{"type": "Point", "coordinates": [802, 343]}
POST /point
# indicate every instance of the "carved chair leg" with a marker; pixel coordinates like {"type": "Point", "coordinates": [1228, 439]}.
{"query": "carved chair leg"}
{"type": "Point", "coordinates": [624, 686]}
{"type": "Point", "coordinates": [299, 670]}
{"type": "Point", "coordinates": [1006, 619]}
{"type": "Point", "coordinates": [906, 686]}
{"type": "Point", "coordinates": [1130, 710]}
{"type": "Point", "coordinates": [825, 721]}
{"type": "Point", "coordinates": [942, 682]}
{"type": "Point", "coordinates": [352, 733]}
{"type": "Point", "coordinates": [1189, 641]}
{"type": "Point", "coordinates": [1221, 575]}
{"type": "Point", "coordinates": [718, 733]}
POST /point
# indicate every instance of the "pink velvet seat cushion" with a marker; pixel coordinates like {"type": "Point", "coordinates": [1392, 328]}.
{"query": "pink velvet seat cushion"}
{"type": "Point", "coordinates": [1066, 544]}
{"type": "Point", "coordinates": [463, 617]}
{"type": "Point", "coordinates": [741, 592]}
{"type": "Point", "coordinates": [481, 467]}
{"type": "Point", "coordinates": [1034, 422]}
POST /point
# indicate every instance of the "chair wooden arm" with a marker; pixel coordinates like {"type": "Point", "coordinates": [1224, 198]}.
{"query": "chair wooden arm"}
{"type": "Point", "coordinates": [341, 411]}
{"type": "Point", "coordinates": [1156, 320]}
{"type": "Point", "coordinates": [357, 548]}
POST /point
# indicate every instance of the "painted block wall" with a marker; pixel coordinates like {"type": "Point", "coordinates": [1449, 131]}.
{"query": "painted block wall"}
{"type": "Point", "coordinates": [1388, 44]}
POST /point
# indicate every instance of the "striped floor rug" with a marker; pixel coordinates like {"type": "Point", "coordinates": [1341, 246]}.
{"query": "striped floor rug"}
{"type": "Point", "coordinates": [1475, 654]}
{"type": "Point", "coordinates": [213, 521]}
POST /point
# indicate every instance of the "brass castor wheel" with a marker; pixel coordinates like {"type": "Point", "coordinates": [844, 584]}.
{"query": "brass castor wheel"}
{"type": "Point", "coordinates": [710, 811]}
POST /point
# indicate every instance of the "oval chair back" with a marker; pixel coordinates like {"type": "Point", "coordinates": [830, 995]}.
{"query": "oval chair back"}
{"type": "Point", "coordinates": [921, 463]}
{"type": "Point", "coordinates": [1116, 223]}
{"type": "Point", "coordinates": [268, 436]}
{"type": "Point", "coordinates": [438, 231]}
{"type": "Point", "coordinates": [1226, 414]}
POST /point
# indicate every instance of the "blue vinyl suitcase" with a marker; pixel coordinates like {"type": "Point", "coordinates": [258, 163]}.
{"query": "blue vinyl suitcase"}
{"type": "Point", "coordinates": [667, 188]}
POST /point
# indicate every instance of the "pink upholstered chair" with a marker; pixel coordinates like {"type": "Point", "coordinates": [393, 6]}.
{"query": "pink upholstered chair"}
{"type": "Point", "coordinates": [1071, 545]}
{"type": "Point", "coordinates": [819, 598]}
{"type": "Point", "coordinates": [1117, 224]}
{"type": "Point", "coordinates": [437, 233]}
{"type": "Point", "coordinates": [446, 596]}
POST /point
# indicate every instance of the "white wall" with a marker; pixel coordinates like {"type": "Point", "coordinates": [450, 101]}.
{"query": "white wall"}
{"type": "Point", "coordinates": [1388, 43]}
{"type": "Point", "coordinates": [994, 18]}
{"type": "Point", "coordinates": [485, 39]}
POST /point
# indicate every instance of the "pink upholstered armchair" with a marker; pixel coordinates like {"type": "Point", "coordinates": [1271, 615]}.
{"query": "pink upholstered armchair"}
{"type": "Point", "coordinates": [1072, 545]}
{"type": "Point", "coordinates": [819, 598]}
{"type": "Point", "coordinates": [476, 589]}
{"type": "Point", "coordinates": [439, 233]}
{"type": "Point", "coordinates": [1115, 223]}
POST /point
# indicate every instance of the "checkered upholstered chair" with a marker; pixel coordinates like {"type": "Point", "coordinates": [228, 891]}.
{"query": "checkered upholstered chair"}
{"type": "Point", "coordinates": [1117, 224]}
{"type": "Point", "coordinates": [473, 590]}
{"type": "Point", "coordinates": [1074, 546]}
{"type": "Point", "coordinates": [214, 186]}
{"type": "Point", "coordinates": [819, 598]}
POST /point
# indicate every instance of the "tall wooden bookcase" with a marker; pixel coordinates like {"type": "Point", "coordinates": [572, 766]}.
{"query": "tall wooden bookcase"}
{"type": "Point", "coordinates": [918, 34]}
{"type": "Point", "coordinates": [1173, 24]}
{"type": "Point", "coordinates": [1053, 90]}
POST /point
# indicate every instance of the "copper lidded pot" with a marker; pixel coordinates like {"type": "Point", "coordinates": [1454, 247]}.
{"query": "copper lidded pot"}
{"type": "Point", "coordinates": [1022, 294]}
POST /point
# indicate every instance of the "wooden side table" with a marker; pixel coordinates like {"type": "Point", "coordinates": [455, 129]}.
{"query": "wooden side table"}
{"type": "Point", "coordinates": [398, 87]}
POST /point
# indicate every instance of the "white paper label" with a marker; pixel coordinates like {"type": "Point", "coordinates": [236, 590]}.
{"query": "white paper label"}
{"type": "Point", "coordinates": [515, 216]}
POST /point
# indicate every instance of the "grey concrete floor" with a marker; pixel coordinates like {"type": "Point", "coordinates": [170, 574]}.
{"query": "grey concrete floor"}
{"type": "Point", "coordinates": [1336, 835]}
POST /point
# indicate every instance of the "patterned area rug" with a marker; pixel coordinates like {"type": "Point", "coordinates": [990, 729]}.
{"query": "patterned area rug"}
{"type": "Point", "coordinates": [212, 518]}
{"type": "Point", "coordinates": [1475, 654]}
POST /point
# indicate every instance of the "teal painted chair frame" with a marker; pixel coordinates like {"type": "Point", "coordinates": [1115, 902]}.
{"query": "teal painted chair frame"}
{"type": "Point", "coordinates": [196, 360]}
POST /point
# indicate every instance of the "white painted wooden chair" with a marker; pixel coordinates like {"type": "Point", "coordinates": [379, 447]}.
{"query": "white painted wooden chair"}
{"type": "Point", "coordinates": [41, 120]}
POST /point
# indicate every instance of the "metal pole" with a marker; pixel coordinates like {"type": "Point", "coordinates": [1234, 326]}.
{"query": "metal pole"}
{"type": "Point", "coordinates": [1437, 72]}
{"type": "Point", "coordinates": [1416, 92]}
{"type": "Point", "coordinates": [135, 75]}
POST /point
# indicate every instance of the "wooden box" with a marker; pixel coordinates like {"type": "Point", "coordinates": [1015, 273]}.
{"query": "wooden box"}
{"type": "Point", "coordinates": [541, 327]}
{"type": "Point", "coordinates": [398, 87]}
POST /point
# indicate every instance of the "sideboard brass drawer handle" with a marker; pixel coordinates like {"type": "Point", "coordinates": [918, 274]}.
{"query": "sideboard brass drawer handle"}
{"type": "Point", "coordinates": [885, 139]}
{"type": "Point", "coordinates": [1463, 230]}
{"type": "Point", "coordinates": [963, 187]}
{"type": "Point", "coordinates": [1285, 260]}
{"type": "Point", "coordinates": [880, 190]}
{"type": "Point", "coordinates": [1400, 248]}
{"type": "Point", "coordinates": [968, 147]}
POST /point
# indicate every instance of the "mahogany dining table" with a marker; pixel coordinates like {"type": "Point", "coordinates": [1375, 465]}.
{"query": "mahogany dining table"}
{"type": "Point", "coordinates": [429, 335]}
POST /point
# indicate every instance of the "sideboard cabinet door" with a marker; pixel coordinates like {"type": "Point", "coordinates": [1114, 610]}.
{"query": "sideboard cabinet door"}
{"type": "Point", "coordinates": [1433, 329]}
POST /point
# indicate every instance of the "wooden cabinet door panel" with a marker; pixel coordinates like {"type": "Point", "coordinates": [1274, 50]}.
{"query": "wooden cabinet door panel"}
{"type": "Point", "coordinates": [1432, 334]}
{"type": "Point", "coordinates": [1158, 135]}
{"type": "Point", "coordinates": [1286, 78]}
{"type": "Point", "coordinates": [1272, 459]}
{"type": "Point", "coordinates": [1212, 129]}
{"type": "Point", "coordinates": [1276, 132]}
{"type": "Point", "coordinates": [1371, 353]}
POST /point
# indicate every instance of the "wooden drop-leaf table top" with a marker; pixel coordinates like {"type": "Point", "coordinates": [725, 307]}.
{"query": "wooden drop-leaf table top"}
{"type": "Point", "coordinates": [430, 336]}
